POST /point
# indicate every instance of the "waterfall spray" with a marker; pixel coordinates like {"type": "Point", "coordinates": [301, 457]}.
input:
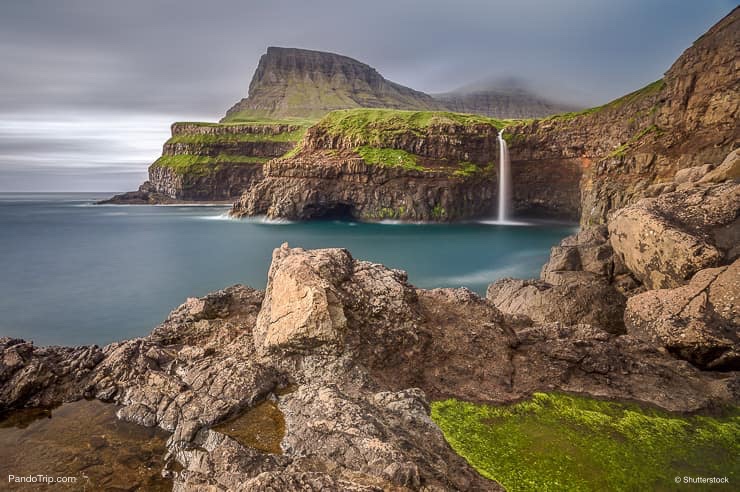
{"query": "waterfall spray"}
{"type": "Point", "coordinates": [504, 180]}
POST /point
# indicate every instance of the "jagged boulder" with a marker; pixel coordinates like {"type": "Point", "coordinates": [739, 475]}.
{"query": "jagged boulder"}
{"type": "Point", "coordinates": [591, 301]}
{"type": "Point", "coordinates": [303, 309]}
{"type": "Point", "coordinates": [729, 170]}
{"type": "Point", "coordinates": [665, 240]}
{"type": "Point", "coordinates": [43, 376]}
{"type": "Point", "coordinates": [698, 322]}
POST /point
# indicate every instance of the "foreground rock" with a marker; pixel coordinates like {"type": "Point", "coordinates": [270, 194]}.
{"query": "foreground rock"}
{"type": "Point", "coordinates": [699, 322]}
{"type": "Point", "coordinates": [350, 354]}
{"type": "Point", "coordinates": [665, 240]}
{"type": "Point", "coordinates": [591, 301]}
{"type": "Point", "coordinates": [583, 282]}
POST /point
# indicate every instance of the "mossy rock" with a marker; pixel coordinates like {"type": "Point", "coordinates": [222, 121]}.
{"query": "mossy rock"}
{"type": "Point", "coordinates": [562, 442]}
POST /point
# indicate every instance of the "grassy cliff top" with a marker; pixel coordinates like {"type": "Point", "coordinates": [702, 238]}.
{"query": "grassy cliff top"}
{"type": "Point", "coordinates": [197, 164]}
{"type": "Point", "coordinates": [256, 118]}
{"type": "Point", "coordinates": [371, 124]}
{"type": "Point", "coordinates": [197, 138]}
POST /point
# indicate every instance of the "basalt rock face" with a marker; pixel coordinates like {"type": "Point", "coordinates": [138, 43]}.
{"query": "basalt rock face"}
{"type": "Point", "coordinates": [454, 176]}
{"type": "Point", "coordinates": [341, 185]}
{"type": "Point", "coordinates": [687, 119]}
{"type": "Point", "coordinates": [221, 183]}
{"type": "Point", "coordinates": [328, 177]}
{"type": "Point", "coordinates": [211, 162]}
{"type": "Point", "coordinates": [348, 352]}
{"type": "Point", "coordinates": [297, 82]}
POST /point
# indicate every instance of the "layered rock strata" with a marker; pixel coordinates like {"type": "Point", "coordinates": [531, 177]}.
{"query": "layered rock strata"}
{"type": "Point", "coordinates": [426, 166]}
{"type": "Point", "coordinates": [212, 162]}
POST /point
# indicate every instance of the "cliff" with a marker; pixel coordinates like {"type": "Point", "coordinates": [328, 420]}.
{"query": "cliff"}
{"type": "Point", "coordinates": [628, 148]}
{"type": "Point", "coordinates": [405, 165]}
{"type": "Point", "coordinates": [382, 164]}
{"type": "Point", "coordinates": [306, 83]}
{"type": "Point", "coordinates": [213, 162]}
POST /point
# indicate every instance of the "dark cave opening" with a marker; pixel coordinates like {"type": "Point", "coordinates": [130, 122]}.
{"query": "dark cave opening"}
{"type": "Point", "coordinates": [329, 211]}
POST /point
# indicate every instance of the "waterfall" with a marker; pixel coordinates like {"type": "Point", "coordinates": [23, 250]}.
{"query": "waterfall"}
{"type": "Point", "coordinates": [504, 180]}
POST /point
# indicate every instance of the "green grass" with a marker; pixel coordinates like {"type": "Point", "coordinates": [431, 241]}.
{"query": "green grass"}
{"type": "Point", "coordinates": [562, 442]}
{"type": "Point", "coordinates": [206, 139]}
{"type": "Point", "coordinates": [374, 126]}
{"type": "Point", "coordinates": [467, 169]}
{"type": "Point", "coordinates": [389, 158]}
{"type": "Point", "coordinates": [197, 164]}
{"type": "Point", "coordinates": [247, 117]}
{"type": "Point", "coordinates": [621, 151]}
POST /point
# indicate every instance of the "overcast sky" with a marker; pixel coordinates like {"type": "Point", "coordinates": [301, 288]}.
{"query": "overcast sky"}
{"type": "Point", "coordinates": [88, 88]}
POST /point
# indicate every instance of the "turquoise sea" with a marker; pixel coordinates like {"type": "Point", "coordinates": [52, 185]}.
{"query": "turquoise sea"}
{"type": "Point", "coordinates": [75, 273]}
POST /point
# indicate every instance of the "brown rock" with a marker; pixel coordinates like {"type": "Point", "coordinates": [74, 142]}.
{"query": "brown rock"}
{"type": "Point", "coordinates": [302, 308]}
{"type": "Point", "coordinates": [664, 241]}
{"type": "Point", "coordinates": [698, 322]}
{"type": "Point", "coordinates": [589, 301]}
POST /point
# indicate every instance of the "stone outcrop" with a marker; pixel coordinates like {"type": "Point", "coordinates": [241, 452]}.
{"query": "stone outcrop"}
{"type": "Point", "coordinates": [341, 185]}
{"type": "Point", "coordinates": [592, 302]}
{"type": "Point", "coordinates": [583, 282]}
{"type": "Point", "coordinates": [665, 240]}
{"type": "Point", "coordinates": [145, 195]}
{"type": "Point", "coordinates": [33, 376]}
{"type": "Point", "coordinates": [307, 83]}
{"type": "Point", "coordinates": [698, 322]}
{"type": "Point", "coordinates": [212, 162]}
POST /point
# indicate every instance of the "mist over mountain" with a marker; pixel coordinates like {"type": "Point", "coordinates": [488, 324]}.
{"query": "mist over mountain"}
{"type": "Point", "coordinates": [509, 97]}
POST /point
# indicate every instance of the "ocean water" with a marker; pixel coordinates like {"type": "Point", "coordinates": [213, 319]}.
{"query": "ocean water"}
{"type": "Point", "coordinates": [75, 273]}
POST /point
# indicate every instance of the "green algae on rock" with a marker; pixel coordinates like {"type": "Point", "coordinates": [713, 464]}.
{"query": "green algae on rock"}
{"type": "Point", "coordinates": [559, 442]}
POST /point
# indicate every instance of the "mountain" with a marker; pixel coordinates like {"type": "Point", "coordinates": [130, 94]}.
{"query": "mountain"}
{"type": "Point", "coordinates": [501, 99]}
{"type": "Point", "coordinates": [291, 82]}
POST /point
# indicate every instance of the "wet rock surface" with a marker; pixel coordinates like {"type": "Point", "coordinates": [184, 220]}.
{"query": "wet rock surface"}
{"type": "Point", "coordinates": [85, 441]}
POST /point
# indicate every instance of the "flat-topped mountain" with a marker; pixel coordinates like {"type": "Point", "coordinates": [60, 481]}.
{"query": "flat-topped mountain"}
{"type": "Point", "coordinates": [307, 83]}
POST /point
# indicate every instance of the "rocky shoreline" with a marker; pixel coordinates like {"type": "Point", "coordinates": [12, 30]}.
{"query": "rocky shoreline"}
{"type": "Point", "coordinates": [350, 353]}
